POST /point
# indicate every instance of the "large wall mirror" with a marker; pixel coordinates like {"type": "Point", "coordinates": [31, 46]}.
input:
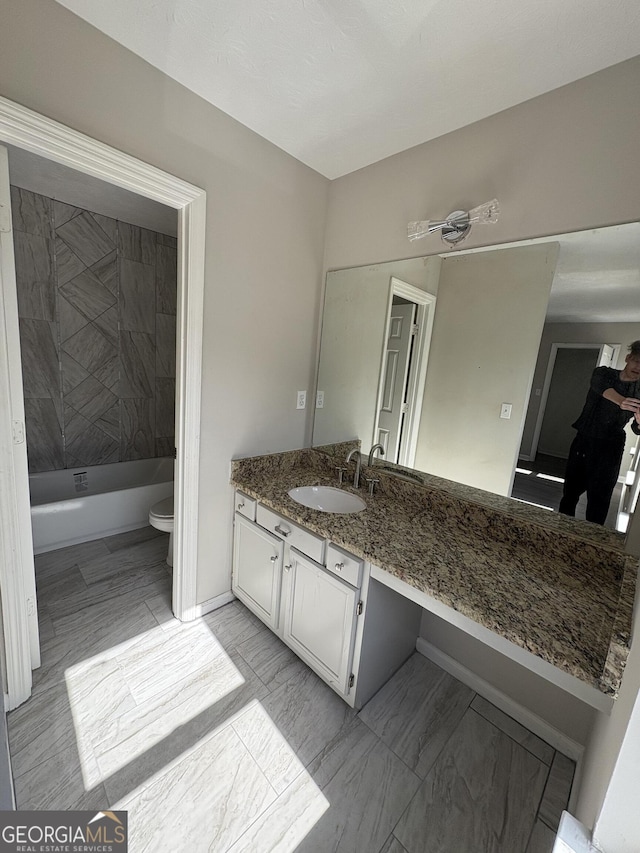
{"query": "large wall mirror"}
{"type": "Point", "coordinates": [473, 365]}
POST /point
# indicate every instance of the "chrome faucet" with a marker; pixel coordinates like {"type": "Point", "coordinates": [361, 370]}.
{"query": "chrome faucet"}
{"type": "Point", "coordinates": [356, 477]}
{"type": "Point", "coordinates": [372, 453]}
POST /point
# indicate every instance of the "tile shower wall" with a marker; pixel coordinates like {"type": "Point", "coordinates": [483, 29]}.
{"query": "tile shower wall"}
{"type": "Point", "coordinates": [97, 309]}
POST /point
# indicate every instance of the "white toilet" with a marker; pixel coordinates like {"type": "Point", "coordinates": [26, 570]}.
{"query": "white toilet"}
{"type": "Point", "coordinates": [161, 517]}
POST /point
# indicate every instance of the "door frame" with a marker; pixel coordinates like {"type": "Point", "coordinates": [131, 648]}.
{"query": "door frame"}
{"type": "Point", "coordinates": [426, 304]}
{"type": "Point", "coordinates": [33, 132]}
{"type": "Point", "coordinates": [553, 353]}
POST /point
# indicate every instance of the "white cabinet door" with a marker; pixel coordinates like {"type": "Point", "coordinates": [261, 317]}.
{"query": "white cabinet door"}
{"type": "Point", "coordinates": [257, 569]}
{"type": "Point", "coordinates": [320, 620]}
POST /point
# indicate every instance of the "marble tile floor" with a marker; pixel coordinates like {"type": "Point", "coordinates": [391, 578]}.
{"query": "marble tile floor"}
{"type": "Point", "coordinates": [215, 737]}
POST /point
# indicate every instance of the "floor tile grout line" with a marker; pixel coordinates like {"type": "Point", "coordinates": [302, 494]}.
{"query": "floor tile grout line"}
{"type": "Point", "coordinates": [517, 742]}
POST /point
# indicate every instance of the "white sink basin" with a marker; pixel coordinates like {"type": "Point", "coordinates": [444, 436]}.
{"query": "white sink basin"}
{"type": "Point", "coordinates": [326, 499]}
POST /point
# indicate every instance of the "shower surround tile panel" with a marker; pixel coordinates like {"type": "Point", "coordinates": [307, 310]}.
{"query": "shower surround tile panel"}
{"type": "Point", "coordinates": [68, 264]}
{"type": "Point", "coordinates": [85, 238]}
{"type": "Point", "coordinates": [137, 295]}
{"type": "Point", "coordinates": [565, 599]}
{"type": "Point", "coordinates": [166, 275]}
{"type": "Point", "coordinates": [31, 213]}
{"type": "Point", "coordinates": [34, 276]}
{"type": "Point", "coordinates": [44, 435]}
{"type": "Point", "coordinates": [137, 425]}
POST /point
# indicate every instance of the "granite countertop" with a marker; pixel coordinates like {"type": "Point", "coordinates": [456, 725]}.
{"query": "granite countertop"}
{"type": "Point", "coordinates": [565, 598]}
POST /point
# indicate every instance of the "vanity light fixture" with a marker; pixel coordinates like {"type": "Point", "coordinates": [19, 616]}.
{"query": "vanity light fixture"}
{"type": "Point", "coordinates": [457, 224]}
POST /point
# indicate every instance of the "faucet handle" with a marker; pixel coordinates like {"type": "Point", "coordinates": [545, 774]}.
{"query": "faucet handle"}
{"type": "Point", "coordinates": [372, 482]}
{"type": "Point", "coordinates": [341, 472]}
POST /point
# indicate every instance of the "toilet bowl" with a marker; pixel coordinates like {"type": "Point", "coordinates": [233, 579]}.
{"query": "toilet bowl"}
{"type": "Point", "coordinates": [161, 517]}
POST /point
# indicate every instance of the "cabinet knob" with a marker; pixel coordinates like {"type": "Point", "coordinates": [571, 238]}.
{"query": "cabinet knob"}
{"type": "Point", "coordinates": [241, 505]}
{"type": "Point", "coordinates": [339, 567]}
{"type": "Point", "coordinates": [287, 568]}
{"type": "Point", "coordinates": [281, 530]}
{"type": "Point", "coordinates": [274, 559]}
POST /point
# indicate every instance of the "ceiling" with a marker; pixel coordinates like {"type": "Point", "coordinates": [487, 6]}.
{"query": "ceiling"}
{"type": "Point", "coordinates": [341, 84]}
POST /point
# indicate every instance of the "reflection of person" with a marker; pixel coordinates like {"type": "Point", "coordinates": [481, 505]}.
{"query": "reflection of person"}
{"type": "Point", "coordinates": [596, 452]}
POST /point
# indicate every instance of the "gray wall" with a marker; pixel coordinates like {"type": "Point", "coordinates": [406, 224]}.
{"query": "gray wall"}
{"type": "Point", "coordinates": [97, 308]}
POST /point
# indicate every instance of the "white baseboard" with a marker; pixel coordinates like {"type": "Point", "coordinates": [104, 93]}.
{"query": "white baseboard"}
{"type": "Point", "coordinates": [214, 603]}
{"type": "Point", "coordinates": [554, 737]}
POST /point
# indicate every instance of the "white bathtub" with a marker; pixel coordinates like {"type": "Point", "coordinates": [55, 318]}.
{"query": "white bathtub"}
{"type": "Point", "coordinates": [80, 504]}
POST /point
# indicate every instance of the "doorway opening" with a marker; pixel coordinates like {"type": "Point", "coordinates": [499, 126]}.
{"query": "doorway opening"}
{"type": "Point", "coordinates": [403, 371]}
{"type": "Point", "coordinates": [24, 129]}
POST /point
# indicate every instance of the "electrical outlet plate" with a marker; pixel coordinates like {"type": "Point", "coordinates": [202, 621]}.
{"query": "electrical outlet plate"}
{"type": "Point", "coordinates": [319, 399]}
{"type": "Point", "coordinates": [301, 400]}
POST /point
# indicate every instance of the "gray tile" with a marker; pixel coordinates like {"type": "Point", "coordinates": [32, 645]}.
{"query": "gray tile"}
{"type": "Point", "coordinates": [31, 212]}
{"type": "Point", "coordinates": [308, 714]}
{"type": "Point", "coordinates": [136, 584]}
{"type": "Point", "coordinates": [87, 295]}
{"type": "Point", "coordinates": [165, 445]}
{"type": "Point", "coordinates": [416, 711]}
{"type": "Point", "coordinates": [233, 624]}
{"type": "Point", "coordinates": [138, 365]}
{"type": "Point", "coordinates": [91, 399]}
{"type": "Point", "coordinates": [139, 554]}
{"type": "Point", "coordinates": [108, 225]}
{"type": "Point", "coordinates": [166, 345]}
{"type": "Point", "coordinates": [143, 741]}
{"type": "Point", "coordinates": [166, 279]}
{"type": "Point", "coordinates": [393, 846]}
{"type": "Point", "coordinates": [165, 407]}
{"type": "Point", "coordinates": [64, 212]}
{"type": "Point", "coordinates": [68, 265]}
{"type": "Point", "coordinates": [58, 784]}
{"type": "Point", "coordinates": [109, 372]}
{"type": "Point", "coordinates": [542, 839]}
{"type": "Point", "coordinates": [45, 625]}
{"type": "Point", "coordinates": [34, 276]}
{"type": "Point", "coordinates": [109, 422]}
{"type": "Point", "coordinates": [137, 297]}
{"type": "Point", "coordinates": [512, 728]}
{"type": "Point", "coordinates": [557, 790]}
{"type": "Point", "coordinates": [106, 270]}
{"type": "Point", "coordinates": [288, 821]}
{"type": "Point", "coordinates": [70, 320]}
{"type": "Point", "coordinates": [272, 661]}
{"type": "Point", "coordinates": [58, 562]}
{"type": "Point", "coordinates": [362, 815]}
{"type": "Point", "coordinates": [86, 443]}
{"type": "Point", "coordinates": [167, 240]}
{"type": "Point", "coordinates": [90, 348]}
{"type": "Point", "coordinates": [72, 373]}
{"type": "Point", "coordinates": [232, 793]}
{"type": "Point", "coordinates": [137, 421]}
{"type": "Point", "coordinates": [482, 793]}
{"type": "Point", "coordinates": [160, 606]}
{"type": "Point", "coordinates": [40, 368]}
{"type": "Point", "coordinates": [85, 238]}
{"type": "Point", "coordinates": [45, 448]}
{"type": "Point", "coordinates": [107, 322]}
{"type": "Point", "coordinates": [135, 537]}
{"type": "Point", "coordinates": [54, 587]}
{"type": "Point", "coordinates": [136, 244]}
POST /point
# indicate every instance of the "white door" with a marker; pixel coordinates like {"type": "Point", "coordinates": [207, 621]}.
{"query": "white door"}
{"type": "Point", "coordinates": [395, 370]}
{"type": "Point", "coordinates": [17, 575]}
{"type": "Point", "coordinates": [320, 620]}
{"type": "Point", "coordinates": [257, 569]}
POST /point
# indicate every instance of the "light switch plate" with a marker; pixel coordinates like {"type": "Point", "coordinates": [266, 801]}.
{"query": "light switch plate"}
{"type": "Point", "coordinates": [505, 411]}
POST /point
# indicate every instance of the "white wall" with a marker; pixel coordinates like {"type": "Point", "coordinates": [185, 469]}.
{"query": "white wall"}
{"type": "Point", "coordinates": [565, 161]}
{"type": "Point", "coordinates": [265, 236]}
{"type": "Point", "coordinates": [486, 332]}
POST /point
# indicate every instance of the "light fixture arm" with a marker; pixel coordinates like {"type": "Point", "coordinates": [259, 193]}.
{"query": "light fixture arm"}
{"type": "Point", "coordinates": [457, 224]}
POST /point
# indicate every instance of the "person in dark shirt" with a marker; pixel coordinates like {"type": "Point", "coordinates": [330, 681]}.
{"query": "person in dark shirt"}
{"type": "Point", "coordinates": [596, 451]}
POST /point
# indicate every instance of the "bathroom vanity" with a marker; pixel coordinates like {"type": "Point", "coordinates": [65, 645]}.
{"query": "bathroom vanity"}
{"type": "Point", "coordinates": [346, 591]}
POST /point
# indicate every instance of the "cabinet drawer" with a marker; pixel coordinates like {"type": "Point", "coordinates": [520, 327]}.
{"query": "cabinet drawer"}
{"type": "Point", "coordinates": [246, 506]}
{"type": "Point", "coordinates": [344, 565]}
{"type": "Point", "coordinates": [298, 537]}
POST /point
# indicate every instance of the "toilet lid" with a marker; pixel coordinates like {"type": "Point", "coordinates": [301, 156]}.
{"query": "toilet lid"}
{"type": "Point", "coordinates": [163, 509]}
